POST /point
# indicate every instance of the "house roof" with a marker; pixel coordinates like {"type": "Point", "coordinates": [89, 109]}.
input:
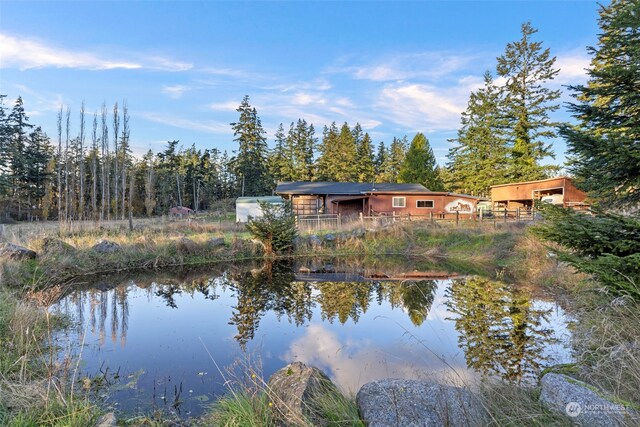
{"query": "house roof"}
{"type": "Point", "coordinates": [346, 188]}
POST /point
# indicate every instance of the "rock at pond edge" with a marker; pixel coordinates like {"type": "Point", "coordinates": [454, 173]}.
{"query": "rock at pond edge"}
{"type": "Point", "coordinates": [402, 403]}
{"type": "Point", "coordinates": [16, 252]}
{"type": "Point", "coordinates": [292, 390]}
{"type": "Point", "coordinates": [106, 247]}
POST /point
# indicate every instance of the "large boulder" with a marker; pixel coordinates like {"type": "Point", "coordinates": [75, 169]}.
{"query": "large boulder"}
{"type": "Point", "coordinates": [51, 245]}
{"type": "Point", "coordinates": [397, 402]}
{"type": "Point", "coordinates": [106, 247]}
{"type": "Point", "coordinates": [17, 252]}
{"type": "Point", "coordinates": [292, 391]}
{"type": "Point", "coordinates": [315, 241]}
{"type": "Point", "coordinates": [215, 242]}
{"type": "Point", "coordinates": [583, 403]}
{"type": "Point", "coordinates": [186, 246]}
{"type": "Point", "coordinates": [107, 420]}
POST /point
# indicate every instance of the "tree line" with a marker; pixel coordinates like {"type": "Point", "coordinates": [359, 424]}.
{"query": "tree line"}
{"type": "Point", "coordinates": [87, 171]}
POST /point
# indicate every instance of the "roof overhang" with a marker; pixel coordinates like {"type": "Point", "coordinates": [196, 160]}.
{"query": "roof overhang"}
{"type": "Point", "coordinates": [346, 199]}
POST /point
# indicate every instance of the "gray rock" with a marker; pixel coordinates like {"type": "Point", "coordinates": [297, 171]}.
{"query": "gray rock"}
{"type": "Point", "coordinates": [17, 252]}
{"type": "Point", "coordinates": [582, 403]}
{"type": "Point", "coordinates": [107, 420]}
{"type": "Point", "coordinates": [292, 390]}
{"type": "Point", "coordinates": [329, 238]}
{"type": "Point", "coordinates": [407, 403]}
{"type": "Point", "coordinates": [186, 246]}
{"type": "Point", "coordinates": [358, 232]}
{"type": "Point", "coordinates": [51, 245]}
{"type": "Point", "coordinates": [215, 242]}
{"type": "Point", "coordinates": [315, 240]}
{"type": "Point", "coordinates": [106, 247]}
{"type": "Point", "coordinates": [328, 268]}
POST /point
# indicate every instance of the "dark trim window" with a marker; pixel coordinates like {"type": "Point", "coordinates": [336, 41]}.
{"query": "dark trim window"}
{"type": "Point", "coordinates": [424, 204]}
{"type": "Point", "coordinates": [399, 202]}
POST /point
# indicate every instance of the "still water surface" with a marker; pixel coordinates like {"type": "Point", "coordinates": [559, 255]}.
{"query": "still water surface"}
{"type": "Point", "coordinates": [166, 341]}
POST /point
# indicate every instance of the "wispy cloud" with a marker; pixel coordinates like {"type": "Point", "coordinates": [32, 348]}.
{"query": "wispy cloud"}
{"type": "Point", "coordinates": [175, 91]}
{"type": "Point", "coordinates": [572, 67]}
{"type": "Point", "coordinates": [420, 65]}
{"type": "Point", "coordinates": [179, 122]}
{"type": "Point", "coordinates": [24, 53]}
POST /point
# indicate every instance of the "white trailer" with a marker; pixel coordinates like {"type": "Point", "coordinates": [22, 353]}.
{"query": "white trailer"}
{"type": "Point", "coordinates": [249, 206]}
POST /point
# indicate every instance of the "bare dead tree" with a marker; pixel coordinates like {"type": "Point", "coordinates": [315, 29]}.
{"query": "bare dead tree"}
{"type": "Point", "coordinates": [94, 167]}
{"type": "Point", "coordinates": [59, 164]}
{"type": "Point", "coordinates": [66, 165]}
{"type": "Point", "coordinates": [105, 164]}
{"type": "Point", "coordinates": [116, 126]}
{"type": "Point", "coordinates": [80, 160]}
{"type": "Point", "coordinates": [124, 147]}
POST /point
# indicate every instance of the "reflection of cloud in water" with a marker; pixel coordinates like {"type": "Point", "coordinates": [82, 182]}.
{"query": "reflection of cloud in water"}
{"type": "Point", "coordinates": [352, 363]}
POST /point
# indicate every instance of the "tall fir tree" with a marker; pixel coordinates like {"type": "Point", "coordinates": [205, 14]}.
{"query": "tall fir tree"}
{"type": "Point", "coordinates": [280, 163]}
{"type": "Point", "coordinates": [394, 160]}
{"type": "Point", "coordinates": [604, 146]}
{"type": "Point", "coordinates": [380, 161]}
{"type": "Point", "coordinates": [300, 142]}
{"type": "Point", "coordinates": [250, 162]}
{"type": "Point", "coordinates": [479, 160]}
{"type": "Point", "coordinates": [365, 160]}
{"type": "Point", "coordinates": [419, 165]}
{"type": "Point", "coordinates": [527, 69]}
{"type": "Point", "coordinates": [337, 155]}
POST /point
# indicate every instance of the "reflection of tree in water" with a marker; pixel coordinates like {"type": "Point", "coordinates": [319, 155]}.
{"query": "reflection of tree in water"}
{"type": "Point", "coordinates": [168, 291]}
{"type": "Point", "coordinates": [344, 300]}
{"type": "Point", "coordinates": [500, 331]}
{"type": "Point", "coordinates": [415, 296]}
{"type": "Point", "coordinates": [271, 288]}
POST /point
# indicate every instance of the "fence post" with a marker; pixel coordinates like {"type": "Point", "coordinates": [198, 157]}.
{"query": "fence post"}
{"type": "Point", "coordinates": [457, 217]}
{"type": "Point", "coordinates": [517, 214]}
{"type": "Point", "coordinates": [431, 216]}
{"type": "Point", "coordinates": [362, 219]}
{"type": "Point", "coordinates": [481, 215]}
{"type": "Point", "coordinates": [339, 221]}
{"type": "Point", "coordinates": [506, 213]}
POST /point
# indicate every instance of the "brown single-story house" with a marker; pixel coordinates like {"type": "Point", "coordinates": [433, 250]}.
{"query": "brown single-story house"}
{"type": "Point", "coordinates": [353, 198]}
{"type": "Point", "coordinates": [557, 191]}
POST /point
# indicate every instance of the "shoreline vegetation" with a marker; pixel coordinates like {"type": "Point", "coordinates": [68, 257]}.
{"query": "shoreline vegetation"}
{"type": "Point", "coordinates": [38, 390]}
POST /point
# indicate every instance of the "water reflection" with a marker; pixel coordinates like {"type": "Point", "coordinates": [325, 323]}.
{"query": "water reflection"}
{"type": "Point", "coordinates": [501, 331]}
{"type": "Point", "coordinates": [358, 330]}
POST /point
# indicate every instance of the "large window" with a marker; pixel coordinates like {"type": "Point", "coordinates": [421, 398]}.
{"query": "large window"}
{"type": "Point", "coordinates": [399, 202]}
{"type": "Point", "coordinates": [424, 204]}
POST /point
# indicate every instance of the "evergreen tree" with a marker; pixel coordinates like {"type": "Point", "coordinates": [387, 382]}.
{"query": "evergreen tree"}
{"type": "Point", "coordinates": [300, 143]}
{"type": "Point", "coordinates": [420, 165]}
{"type": "Point", "coordinates": [480, 158]}
{"type": "Point", "coordinates": [4, 151]}
{"type": "Point", "coordinates": [365, 161]}
{"type": "Point", "coordinates": [527, 69]}
{"type": "Point", "coordinates": [380, 161]}
{"type": "Point", "coordinates": [337, 155]}
{"type": "Point", "coordinates": [280, 164]}
{"type": "Point", "coordinates": [395, 159]}
{"type": "Point", "coordinates": [604, 146]}
{"type": "Point", "coordinates": [250, 162]}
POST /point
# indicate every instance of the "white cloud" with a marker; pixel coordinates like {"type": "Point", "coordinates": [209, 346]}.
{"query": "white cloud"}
{"type": "Point", "coordinates": [175, 91]}
{"type": "Point", "coordinates": [307, 98]}
{"type": "Point", "coordinates": [26, 53]}
{"type": "Point", "coordinates": [421, 107]}
{"type": "Point", "coordinates": [572, 67]}
{"type": "Point", "coordinates": [179, 122]}
{"type": "Point", "coordinates": [421, 65]}
{"type": "Point", "coordinates": [224, 106]}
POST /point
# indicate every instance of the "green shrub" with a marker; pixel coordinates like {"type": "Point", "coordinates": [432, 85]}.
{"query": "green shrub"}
{"type": "Point", "coordinates": [275, 229]}
{"type": "Point", "coordinates": [604, 244]}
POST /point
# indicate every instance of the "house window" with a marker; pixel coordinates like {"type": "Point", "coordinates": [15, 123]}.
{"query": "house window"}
{"type": "Point", "coordinates": [427, 204]}
{"type": "Point", "coordinates": [399, 202]}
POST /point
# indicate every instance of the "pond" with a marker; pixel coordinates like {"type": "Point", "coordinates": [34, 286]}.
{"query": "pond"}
{"type": "Point", "coordinates": [171, 340]}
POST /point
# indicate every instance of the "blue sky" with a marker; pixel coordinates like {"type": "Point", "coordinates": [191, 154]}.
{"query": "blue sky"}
{"type": "Point", "coordinates": [183, 67]}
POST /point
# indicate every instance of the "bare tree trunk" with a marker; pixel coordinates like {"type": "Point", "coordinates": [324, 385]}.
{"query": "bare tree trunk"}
{"type": "Point", "coordinates": [149, 196]}
{"type": "Point", "coordinates": [124, 147]}
{"type": "Point", "coordinates": [66, 165]}
{"type": "Point", "coordinates": [179, 195]}
{"type": "Point", "coordinates": [131, 185]}
{"type": "Point", "coordinates": [81, 164]}
{"type": "Point", "coordinates": [59, 164]}
{"type": "Point", "coordinates": [94, 168]}
{"type": "Point", "coordinates": [105, 164]}
{"type": "Point", "coordinates": [116, 126]}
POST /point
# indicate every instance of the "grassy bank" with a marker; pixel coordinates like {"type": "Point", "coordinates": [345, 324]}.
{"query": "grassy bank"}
{"type": "Point", "coordinates": [33, 386]}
